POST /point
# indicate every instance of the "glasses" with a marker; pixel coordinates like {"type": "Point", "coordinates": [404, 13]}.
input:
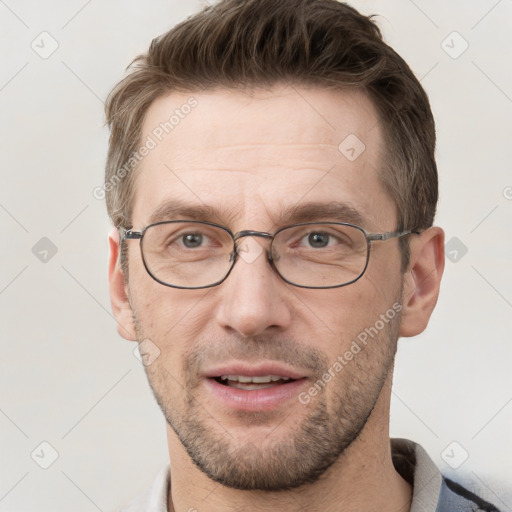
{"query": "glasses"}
{"type": "Point", "coordinates": [191, 255]}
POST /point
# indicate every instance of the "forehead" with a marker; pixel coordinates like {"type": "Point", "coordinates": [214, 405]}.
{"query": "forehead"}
{"type": "Point", "coordinates": [250, 155]}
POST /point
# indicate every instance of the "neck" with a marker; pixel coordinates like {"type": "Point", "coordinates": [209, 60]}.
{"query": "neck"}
{"type": "Point", "coordinates": [363, 478]}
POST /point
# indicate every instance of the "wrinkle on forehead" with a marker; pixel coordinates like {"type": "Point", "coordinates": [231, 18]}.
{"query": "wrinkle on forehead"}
{"type": "Point", "coordinates": [255, 154]}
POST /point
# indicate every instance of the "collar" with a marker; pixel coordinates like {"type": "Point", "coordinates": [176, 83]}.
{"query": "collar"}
{"type": "Point", "coordinates": [415, 466]}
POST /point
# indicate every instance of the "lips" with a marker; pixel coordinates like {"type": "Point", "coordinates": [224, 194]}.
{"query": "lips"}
{"type": "Point", "coordinates": [254, 387]}
{"type": "Point", "coordinates": [245, 371]}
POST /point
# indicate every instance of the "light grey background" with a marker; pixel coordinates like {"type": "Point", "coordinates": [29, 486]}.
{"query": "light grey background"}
{"type": "Point", "coordinates": [67, 379]}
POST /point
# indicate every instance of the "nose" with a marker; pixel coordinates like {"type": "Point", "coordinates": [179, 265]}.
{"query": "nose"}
{"type": "Point", "coordinates": [253, 298]}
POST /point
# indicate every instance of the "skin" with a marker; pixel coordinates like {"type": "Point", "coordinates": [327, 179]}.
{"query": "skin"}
{"type": "Point", "coordinates": [249, 155]}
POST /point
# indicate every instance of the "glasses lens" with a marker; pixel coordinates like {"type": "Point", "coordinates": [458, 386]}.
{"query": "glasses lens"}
{"type": "Point", "coordinates": [187, 254]}
{"type": "Point", "coordinates": [320, 255]}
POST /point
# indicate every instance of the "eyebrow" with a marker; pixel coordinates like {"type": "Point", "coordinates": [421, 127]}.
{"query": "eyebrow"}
{"type": "Point", "coordinates": [333, 211]}
{"type": "Point", "coordinates": [177, 209]}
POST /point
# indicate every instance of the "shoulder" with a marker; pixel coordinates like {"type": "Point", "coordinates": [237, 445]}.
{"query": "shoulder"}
{"type": "Point", "coordinates": [433, 492]}
{"type": "Point", "coordinates": [453, 497]}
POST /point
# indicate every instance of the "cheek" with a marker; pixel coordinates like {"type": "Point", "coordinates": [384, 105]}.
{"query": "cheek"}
{"type": "Point", "coordinates": [340, 316]}
{"type": "Point", "coordinates": [171, 318]}
{"type": "Point", "coordinates": [153, 303]}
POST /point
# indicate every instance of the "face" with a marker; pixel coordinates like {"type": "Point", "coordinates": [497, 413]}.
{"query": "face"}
{"type": "Point", "coordinates": [261, 161]}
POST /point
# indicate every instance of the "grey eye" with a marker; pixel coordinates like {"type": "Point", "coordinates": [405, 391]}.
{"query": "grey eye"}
{"type": "Point", "coordinates": [318, 239]}
{"type": "Point", "coordinates": [192, 240]}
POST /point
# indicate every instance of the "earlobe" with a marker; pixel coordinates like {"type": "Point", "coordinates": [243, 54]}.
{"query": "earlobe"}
{"type": "Point", "coordinates": [422, 281]}
{"type": "Point", "coordinates": [118, 291]}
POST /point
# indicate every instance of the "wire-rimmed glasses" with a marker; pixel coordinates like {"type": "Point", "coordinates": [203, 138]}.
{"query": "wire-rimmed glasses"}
{"type": "Point", "coordinates": [191, 254]}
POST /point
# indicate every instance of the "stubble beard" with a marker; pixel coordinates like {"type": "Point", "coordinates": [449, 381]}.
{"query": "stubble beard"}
{"type": "Point", "coordinates": [279, 462]}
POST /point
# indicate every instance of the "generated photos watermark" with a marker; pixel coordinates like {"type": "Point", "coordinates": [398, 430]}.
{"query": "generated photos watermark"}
{"type": "Point", "coordinates": [151, 142]}
{"type": "Point", "coordinates": [355, 348]}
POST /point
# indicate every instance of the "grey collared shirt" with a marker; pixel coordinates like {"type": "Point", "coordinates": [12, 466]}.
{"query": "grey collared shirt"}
{"type": "Point", "coordinates": [431, 491]}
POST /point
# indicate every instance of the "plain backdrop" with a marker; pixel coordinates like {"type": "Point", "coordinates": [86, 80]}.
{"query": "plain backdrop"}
{"type": "Point", "coordinates": [67, 379]}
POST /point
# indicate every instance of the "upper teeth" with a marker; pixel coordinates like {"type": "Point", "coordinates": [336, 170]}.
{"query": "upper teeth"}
{"type": "Point", "coordinates": [258, 379]}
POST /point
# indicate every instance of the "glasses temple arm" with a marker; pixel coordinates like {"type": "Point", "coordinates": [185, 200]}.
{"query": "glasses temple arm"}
{"type": "Point", "coordinates": [390, 234]}
{"type": "Point", "coordinates": [128, 234]}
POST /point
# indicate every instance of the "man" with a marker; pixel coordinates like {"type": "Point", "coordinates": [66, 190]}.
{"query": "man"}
{"type": "Point", "coordinates": [272, 183]}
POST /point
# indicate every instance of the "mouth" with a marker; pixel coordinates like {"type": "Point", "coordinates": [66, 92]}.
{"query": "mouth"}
{"type": "Point", "coordinates": [248, 383]}
{"type": "Point", "coordinates": [254, 387]}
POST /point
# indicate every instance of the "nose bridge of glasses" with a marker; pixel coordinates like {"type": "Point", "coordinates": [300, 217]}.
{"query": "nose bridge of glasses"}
{"type": "Point", "coordinates": [249, 232]}
{"type": "Point", "coordinates": [251, 252]}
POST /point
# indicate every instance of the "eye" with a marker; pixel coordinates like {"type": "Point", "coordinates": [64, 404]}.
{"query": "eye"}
{"type": "Point", "coordinates": [186, 239]}
{"type": "Point", "coordinates": [192, 240]}
{"type": "Point", "coordinates": [318, 240]}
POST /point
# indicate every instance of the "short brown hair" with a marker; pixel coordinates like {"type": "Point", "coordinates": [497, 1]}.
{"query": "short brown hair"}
{"type": "Point", "coordinates": [260, 43]}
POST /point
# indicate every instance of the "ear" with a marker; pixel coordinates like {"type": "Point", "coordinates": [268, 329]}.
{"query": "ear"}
{"type": "Point", "coordinates": [422, 280]}
{"type": "Point", "coordinates": [119, 291]}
